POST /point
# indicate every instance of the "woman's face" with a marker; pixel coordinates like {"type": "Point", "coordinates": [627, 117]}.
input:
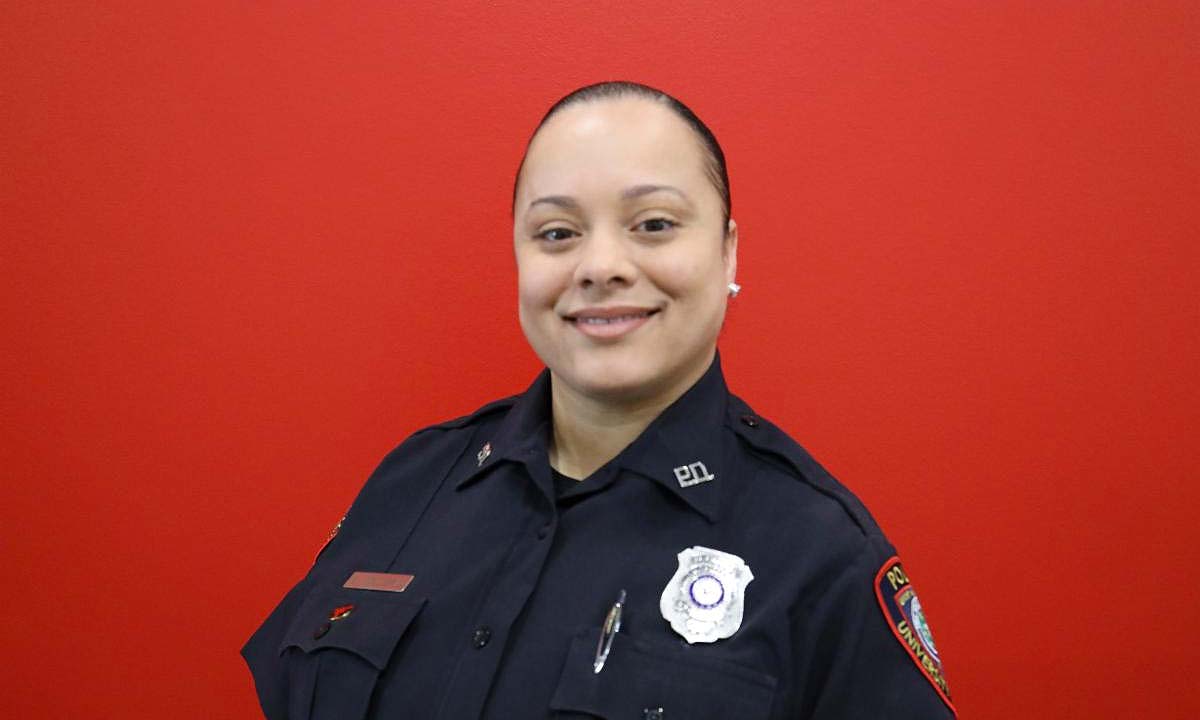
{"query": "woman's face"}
{"type": "Point", "coordinates": [623, 260]}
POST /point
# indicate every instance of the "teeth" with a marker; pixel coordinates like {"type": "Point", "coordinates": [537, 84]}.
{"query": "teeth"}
{"type": "Point", "coordinates": [606, 321]}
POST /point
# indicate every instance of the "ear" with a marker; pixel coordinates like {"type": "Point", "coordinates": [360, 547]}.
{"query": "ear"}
{"type": "Point", "coordinates": [729, 251]}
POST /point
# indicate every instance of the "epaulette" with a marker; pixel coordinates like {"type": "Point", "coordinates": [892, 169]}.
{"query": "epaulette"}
{"type": "Point", "coordinates": [768, 439]}
{"type": "Point", "coordinates": [492, 408]}
{"type": "Point", "coordinates": [420, 442]}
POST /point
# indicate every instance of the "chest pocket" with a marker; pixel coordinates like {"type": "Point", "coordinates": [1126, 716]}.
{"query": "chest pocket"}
{"type": "Point", "coordinates": [640, 681]}
{"type": "Point", "coordinates": [335, 648]}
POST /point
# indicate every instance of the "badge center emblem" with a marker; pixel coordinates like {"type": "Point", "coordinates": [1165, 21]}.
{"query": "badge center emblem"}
{"type": "Point", "coordinates": [707, 591]}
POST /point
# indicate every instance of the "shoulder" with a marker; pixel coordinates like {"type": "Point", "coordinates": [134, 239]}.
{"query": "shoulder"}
{"type": "Point", "coordinates": [794, 475]}
{"type": "Point", "coordinates": [423, 460]}
{"type": "Point", "coordinates": [493, 410]}
{"type": "Point", "coordinates": [439, 437]}
{"type": "Point", "coordinates": [490, 412]}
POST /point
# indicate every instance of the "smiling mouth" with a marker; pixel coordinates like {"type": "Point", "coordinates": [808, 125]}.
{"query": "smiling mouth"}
{"type": "Point", "coordinates": [592, 320]}
{"type": "Point", "coordinates": [608, 325]}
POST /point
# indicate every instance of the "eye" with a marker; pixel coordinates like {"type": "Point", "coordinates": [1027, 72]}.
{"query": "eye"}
{"type": "Point", "coordinates": [657, 225]}
{"type": "Point", "coordinates": [557, 234]}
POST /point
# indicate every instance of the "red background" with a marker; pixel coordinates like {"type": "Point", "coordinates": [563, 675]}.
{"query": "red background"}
{"type": "Point", "coordinates": [246, 250]}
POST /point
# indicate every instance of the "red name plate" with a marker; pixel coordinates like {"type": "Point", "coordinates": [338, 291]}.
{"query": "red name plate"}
{"type": "Point", "coordinates": [387, 582]}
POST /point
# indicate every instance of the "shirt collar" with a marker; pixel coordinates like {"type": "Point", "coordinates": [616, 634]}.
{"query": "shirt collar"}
{"type": "Point", "coordinates": [522, 435]}
{"type": "Point", "coordinates": [681, 449]}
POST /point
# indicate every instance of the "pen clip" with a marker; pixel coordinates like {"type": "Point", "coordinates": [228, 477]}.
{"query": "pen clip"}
{"type": "Point", "coordinates": [612, 625]}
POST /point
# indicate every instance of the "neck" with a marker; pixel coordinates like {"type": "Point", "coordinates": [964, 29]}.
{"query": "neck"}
{"type": "Point", "coordinates": [589, 431]}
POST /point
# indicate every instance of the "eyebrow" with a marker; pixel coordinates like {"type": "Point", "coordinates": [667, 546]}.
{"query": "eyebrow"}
{"type": "Point", "coordinates": [640, 190]}
{"type": "Point", "coordinates": [569, 203]}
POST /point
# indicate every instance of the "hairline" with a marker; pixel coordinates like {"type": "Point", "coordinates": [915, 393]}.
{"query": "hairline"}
{"type": "Point", "coordinates": [713, 156]}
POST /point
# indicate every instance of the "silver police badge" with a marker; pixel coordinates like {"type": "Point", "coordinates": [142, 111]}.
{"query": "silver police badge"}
{"type": "Point", "coordinates": [704, 600]}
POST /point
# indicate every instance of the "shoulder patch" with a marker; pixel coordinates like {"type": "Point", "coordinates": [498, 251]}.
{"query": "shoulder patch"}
{"type": "Point", "coordinates": [902, 610]}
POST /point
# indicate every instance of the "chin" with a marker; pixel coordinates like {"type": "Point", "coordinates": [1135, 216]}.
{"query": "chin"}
{"type": "Point", "coordinates": [616, 377]}
{"type": "Point", "coordinates": [619, 389]}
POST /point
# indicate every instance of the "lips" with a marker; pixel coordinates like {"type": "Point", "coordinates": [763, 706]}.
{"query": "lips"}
{"type": "Point", "coordinates": [607, 323]}
{"type": "Point", "coordinates": [594, 320]}
{"type": "Point", "coordinates": [605, 316]}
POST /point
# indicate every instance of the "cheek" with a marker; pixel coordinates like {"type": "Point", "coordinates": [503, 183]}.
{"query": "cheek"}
{"type": "Point", "coordinates": [530, 308]}
{"type": "Point", "coordinates": [687, 277]}
{"type": "Point", "coordinates": [538, 284]}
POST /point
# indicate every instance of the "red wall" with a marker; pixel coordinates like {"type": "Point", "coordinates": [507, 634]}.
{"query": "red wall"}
{"type": "Point", "coordinates": [247, 250]}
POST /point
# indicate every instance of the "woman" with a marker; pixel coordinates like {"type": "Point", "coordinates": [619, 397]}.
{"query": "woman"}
{"type": "Point", "coordinates": [625, 539]}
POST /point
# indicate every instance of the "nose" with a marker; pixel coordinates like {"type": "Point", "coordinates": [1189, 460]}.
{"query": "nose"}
{"type": "Point", "coordinates": [604, 260]}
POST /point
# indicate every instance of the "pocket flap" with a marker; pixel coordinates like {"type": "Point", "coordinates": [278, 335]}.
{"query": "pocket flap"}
{"type": "Point", "coordinates": [370, 629]}
{"type": "Point", "coordinates": [638, 676]}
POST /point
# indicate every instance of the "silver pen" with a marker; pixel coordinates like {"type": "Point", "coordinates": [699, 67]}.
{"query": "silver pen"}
{"type": "Point", "coordinates": [612, 625]}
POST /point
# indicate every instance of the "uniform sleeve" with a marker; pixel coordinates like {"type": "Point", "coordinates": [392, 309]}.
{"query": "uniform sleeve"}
{"type": "Point", "coordinates": [261, 653]}
{"type": "Point", "coordinates": [867, 651]}
{"type": "Point", "coordinates": [264, 650]}
{"type": "Point", "coordinates": [387, 505]}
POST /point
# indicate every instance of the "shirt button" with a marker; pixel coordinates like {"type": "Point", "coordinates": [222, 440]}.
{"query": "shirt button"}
{"type": "Point", "coordinates": [543, 531]}
{"type": "Point", "coordinates": [321, 630]}
{"type": "Point", "coordinates": [482, 636]}
{"type": "Point", "coordinates": [750, 421]}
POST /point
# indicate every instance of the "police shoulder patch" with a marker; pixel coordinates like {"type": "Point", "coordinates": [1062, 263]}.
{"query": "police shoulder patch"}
{"type": "Point", "coordinates": [902, 610]}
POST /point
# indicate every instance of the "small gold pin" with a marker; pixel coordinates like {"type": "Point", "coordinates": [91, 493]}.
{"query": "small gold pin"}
{"type": "Point", "coordinates": [336, 529]}
{"type": "Point", "coordinates": [332, 534]}
{"type": "Point", "coordinates": [483, 454]}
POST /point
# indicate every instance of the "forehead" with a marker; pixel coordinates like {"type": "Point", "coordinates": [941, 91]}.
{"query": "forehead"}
{"type": "Point", "coordinates": [613, 140]}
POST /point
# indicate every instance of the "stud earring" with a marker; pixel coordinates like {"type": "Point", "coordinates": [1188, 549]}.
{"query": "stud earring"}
{"type": "Point", "coordinates": [734, 289]}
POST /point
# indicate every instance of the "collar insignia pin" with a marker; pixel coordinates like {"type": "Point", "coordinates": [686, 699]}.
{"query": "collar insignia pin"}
{"type": "Point", "coordinates": [693, 474]}
{"type": "Point", "coordinates": [483, 454]}
{"type": "Point", "coordinates": [705, 599]}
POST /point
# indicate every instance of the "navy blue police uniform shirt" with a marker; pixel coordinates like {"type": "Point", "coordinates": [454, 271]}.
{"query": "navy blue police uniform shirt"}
{"type": "Point", "coordinates": [496, 580]}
